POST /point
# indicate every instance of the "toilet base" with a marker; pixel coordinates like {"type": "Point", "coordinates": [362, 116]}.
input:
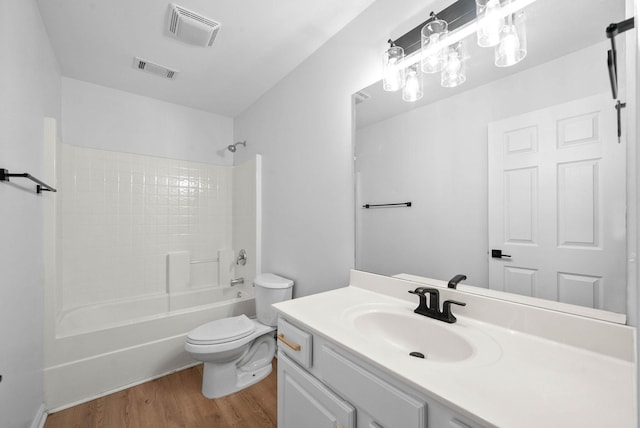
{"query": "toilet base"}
{"type": "Point", "coordinates": [220, 379]}
{"type": "Point", "coordinates": [229, 380]}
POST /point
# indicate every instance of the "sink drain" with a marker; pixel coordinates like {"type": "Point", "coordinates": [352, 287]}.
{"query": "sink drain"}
{"type": "Point", "coordinates": [416, 354]}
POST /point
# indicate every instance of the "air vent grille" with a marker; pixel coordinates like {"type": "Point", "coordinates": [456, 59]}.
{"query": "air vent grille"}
{"type": "Point", "coordinates": [157, 69]}
{"type": "Point", "coordinates": [190, 27]}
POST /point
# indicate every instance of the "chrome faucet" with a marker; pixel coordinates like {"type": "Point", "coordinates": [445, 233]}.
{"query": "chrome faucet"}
{"type": "Point", "coordinates": [236, 281]}
{"type": "Point", "coordinates": [432, 310]}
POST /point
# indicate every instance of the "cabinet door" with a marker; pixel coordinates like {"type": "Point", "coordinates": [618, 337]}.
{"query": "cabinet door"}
{"type": "Point", "coordinates": [387, 405]}
{"type": "Point", "coordinates": [303, 401]}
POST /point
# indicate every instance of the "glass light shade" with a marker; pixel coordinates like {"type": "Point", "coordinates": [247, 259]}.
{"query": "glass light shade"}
{"type": "Point", "coordinates": [393, 77]}
{"type": "Point", "coordinates": [412, 90]}
{"type": "Point", "coordinates": [513, 41]}
{"type": "Point", "coordinates": [455, 72]}
{"type": "Point", "coordinates": [433, 57]}
{"type": "Point", "coordinates": [490, 22]}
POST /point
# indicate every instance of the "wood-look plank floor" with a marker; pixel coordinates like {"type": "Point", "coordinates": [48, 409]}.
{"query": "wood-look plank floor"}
{"type": "Point", "coordinates": [175, 401]}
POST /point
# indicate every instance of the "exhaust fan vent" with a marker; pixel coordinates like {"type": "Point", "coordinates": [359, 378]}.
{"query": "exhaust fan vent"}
{"type": "Point", "coordinates": [190, 27]}
{"type": "Point", "coordinates": [157, 69]}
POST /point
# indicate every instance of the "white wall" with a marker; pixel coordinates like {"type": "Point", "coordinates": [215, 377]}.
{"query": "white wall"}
{"type": "Point", "coordinates": [108, 119]}
{"type": "Point", "coordinates": [303, 129]}
{"type": "Point", "coordinates": [30, 88]}
{"type": "Point", "coordinates": [634, 88]}
{"type": "Point", "coordinates": [436, 157]}
{"type": "Point", "coordinates": [245, 229]}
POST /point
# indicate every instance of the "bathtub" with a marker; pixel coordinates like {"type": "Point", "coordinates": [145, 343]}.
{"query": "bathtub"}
{"type": "Point", "coordinates": [116, 313]}
{"type": "Point", "coordinates": [100, 349]}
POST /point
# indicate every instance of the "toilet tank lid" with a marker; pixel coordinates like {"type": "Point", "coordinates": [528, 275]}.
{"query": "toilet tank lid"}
{"type": "Point", "coordinates": [270, 280]}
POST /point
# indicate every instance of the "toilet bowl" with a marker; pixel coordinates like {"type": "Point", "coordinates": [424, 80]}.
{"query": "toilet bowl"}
{"type": "Point", "coordinates": [237, 351]}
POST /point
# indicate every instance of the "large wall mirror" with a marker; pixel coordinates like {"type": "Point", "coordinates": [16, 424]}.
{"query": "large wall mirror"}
{"type": "Point", "coordinates": [524, 159]}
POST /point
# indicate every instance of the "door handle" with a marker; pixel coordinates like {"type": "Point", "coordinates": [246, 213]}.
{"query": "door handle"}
{"type": "Point", "coordinates": [497, 254]}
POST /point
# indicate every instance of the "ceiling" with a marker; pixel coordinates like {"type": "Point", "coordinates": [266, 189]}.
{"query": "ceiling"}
{"type": "Point", "coordinates": [259, 42]}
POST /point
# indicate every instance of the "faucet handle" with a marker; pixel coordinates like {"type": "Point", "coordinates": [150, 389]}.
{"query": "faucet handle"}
{"type": "Point", "coordinates": [434, 300]}
{"type": "Point", "coordinates": [447, 316]}
{"type": "Point", "coordinates": [421, 290]}
{"type": "Point", "coordinates": [422, 307]}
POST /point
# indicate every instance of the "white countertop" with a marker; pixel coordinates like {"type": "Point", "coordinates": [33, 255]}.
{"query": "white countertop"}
{"type": "Point", "coordinates": [519, 380]}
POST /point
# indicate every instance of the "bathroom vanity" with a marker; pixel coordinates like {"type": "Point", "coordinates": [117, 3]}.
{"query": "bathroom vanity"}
{"type": "Point", "coordinates": [345, 361]}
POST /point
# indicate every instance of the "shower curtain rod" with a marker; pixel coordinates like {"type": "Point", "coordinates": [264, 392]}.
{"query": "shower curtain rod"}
{"type": "Point", "coordinates": [41, 187]}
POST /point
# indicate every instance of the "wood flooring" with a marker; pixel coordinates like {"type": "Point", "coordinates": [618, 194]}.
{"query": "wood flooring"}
{"type": "Point", "coordinates": [172, 401]}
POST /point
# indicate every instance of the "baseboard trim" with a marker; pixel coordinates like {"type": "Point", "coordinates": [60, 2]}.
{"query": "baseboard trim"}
{"type": "Point", "coordinates": [40, 418]}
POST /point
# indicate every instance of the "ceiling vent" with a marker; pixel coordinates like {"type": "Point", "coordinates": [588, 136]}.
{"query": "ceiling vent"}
{"type": "Point", "coordinates": [190, 27]}
{"type": "Point", "coordinates": [157, 69]}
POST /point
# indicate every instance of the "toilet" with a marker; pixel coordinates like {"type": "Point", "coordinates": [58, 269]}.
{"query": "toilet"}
{"type": "Point", "coordinates": [237, 351]}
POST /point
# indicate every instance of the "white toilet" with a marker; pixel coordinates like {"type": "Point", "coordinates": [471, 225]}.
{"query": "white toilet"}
{"type": "Point", "coordinates": [237, 351]}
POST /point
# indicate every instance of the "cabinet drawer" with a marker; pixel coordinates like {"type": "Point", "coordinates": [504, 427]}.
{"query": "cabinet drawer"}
{"type": "Point", "coordinates": [294, 342]}
{"type": "Point", "coordinates": [303, 401]}
{"type": "Point", "coordinates": [387, 405]}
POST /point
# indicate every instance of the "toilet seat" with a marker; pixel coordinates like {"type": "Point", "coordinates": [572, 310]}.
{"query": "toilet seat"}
{"type": "Point", "coordinates": [222, 331]}
{"type": "Point", "coordinates": [203, 349]}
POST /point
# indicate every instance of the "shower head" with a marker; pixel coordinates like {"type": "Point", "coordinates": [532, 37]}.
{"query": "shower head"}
{"type": "Point", "coordinates": [233, 147]}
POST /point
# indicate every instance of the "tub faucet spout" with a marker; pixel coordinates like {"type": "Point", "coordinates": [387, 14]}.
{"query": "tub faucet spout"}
{"type": "Point", "coordinates": [236, 281]}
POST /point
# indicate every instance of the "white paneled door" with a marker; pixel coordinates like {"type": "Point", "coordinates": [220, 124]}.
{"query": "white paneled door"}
{"type": "Point", "coordinates": [557, 203]}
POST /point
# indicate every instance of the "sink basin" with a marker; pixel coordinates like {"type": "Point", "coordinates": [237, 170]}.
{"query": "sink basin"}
{"type": "Point", "coordinates": [411, 334]}
{"type": "Point", "coordinates": [403, 331]}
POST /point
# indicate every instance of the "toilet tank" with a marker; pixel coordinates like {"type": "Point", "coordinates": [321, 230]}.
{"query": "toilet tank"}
{"type": "Point", "coordinates": [270, 289]}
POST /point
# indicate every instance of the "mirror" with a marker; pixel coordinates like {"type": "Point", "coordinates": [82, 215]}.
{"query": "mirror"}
{"type": "Point", "coordinates": [435, 154]}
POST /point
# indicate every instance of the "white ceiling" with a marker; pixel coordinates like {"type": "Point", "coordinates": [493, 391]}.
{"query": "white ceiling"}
{"type": "Point", "coordinates": [259, 42]}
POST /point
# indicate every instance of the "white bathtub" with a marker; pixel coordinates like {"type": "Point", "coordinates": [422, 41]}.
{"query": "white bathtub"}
{"type": "Point", "coordinates": [126, 311]}
{"type": "Point", "coordinates": [100, 349]}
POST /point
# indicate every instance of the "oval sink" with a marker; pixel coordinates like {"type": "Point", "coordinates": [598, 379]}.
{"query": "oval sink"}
{"type": "Point", "coordinates": [410, 334]}
{"type": "Point", "coordinates": [403, 331]}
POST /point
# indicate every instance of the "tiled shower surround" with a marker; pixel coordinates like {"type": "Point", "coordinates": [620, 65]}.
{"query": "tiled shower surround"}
{"type": "Point", "coordinates": [120, 214]}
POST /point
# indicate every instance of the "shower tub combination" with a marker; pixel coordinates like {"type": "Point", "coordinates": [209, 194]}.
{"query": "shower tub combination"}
{"type": "Point", "coordinates": [95, 347]}
{"type": "Point", "coordinates": [103, 348]}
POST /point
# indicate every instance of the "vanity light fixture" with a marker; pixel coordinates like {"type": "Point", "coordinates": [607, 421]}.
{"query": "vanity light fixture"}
{"type": "Point", "coordinates": [412, 90]}
{"type": "Point", "coordinates": [437, 41]}
{"type": "Point", "coordinates": [490, 22]}
{"type": "Point", "coordinates": [454, 72]}
{"type": "Point", "coordinates": [513, 41]}
{"type": "Point", "coordinates": [394, 75]}
{"type": "Point", "coordinates": [434, 58]}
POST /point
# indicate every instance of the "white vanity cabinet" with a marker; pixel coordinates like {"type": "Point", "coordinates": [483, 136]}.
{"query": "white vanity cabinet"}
{"type": "Point", "coordinates": [320, 384]}
{"type": "Point", "coordinates": [303, 401]}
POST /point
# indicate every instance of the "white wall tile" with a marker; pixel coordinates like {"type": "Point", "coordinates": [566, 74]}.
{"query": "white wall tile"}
{"type": "Point", "coordinates": [122, 213]}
